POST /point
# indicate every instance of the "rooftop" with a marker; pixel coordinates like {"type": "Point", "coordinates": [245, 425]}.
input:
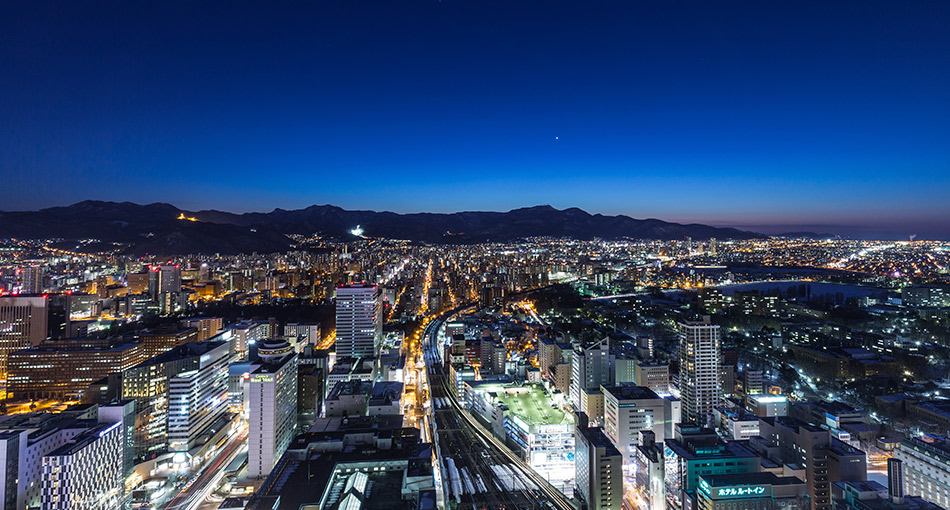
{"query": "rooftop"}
{"type": "Point", "coordinates": [765, 478]}
{"type": "Point", "coordinates": [631, 392]}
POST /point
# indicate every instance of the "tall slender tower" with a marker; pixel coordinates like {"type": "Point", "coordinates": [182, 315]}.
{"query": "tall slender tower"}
{"type": "Point", "coordinates": [359, 321]}
{"type": "Point", "coordinates": [699, 354]}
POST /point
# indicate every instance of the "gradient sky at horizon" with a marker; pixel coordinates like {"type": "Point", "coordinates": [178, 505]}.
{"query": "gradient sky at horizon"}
{"type": "Point", "coordinates": [763, 115]}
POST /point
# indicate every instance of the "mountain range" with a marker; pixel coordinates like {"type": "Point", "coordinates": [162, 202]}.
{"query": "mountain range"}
{"type": "Point", "coordinates": [164, 229]}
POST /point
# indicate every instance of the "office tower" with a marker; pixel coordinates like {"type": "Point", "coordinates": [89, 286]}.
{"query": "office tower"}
{"type": "Point", "coordinates": [926, 467]}
{"type": "Point", "coordinates": [197, 399]}
{"type": "Point", "coordinates": [122, 412]}
{"type": "Point", "coordinates": [24, 441]}
{"type": "Point", "coordinates": [591, 367]}
{"type": "Point", "coordinates": [207, 326]}
{"type": "Point", "coordinates": [655, 376]}
{"type": "Point", "coordinates": [699, 356]}
{"type": "Point", "coordinates": [598, 470]}
{"type": "Point", "coordinates": [752, 382]}
{"type": "Point", "coordinates": [272, 388]}
{"type": "Point", "coordinates": [30, 279]}
{"type": "Point", "coordinates": [147, 384]}
{"type": "Point", "coordinates": [86, 472]}
{"type": "Point", "coordinates": [245, 333]}
{"type": "Point", "coordinates": [628, 409]}
{"type": "Point", "coordinates": [359, 321]}
{"type": "Point", "coordinates": [825, 458]}
{"type": "Point", "coordinates": [895, 480]}
{"type": "Point", "coordinates": [302, 333]}
{"type": "Point", "coordinates": [64, 369]}
{"type": "Point", "coordinates": [163, 280]}
{"type": "Point", "coordinates": [22, 325]}
{"type": "Point", "coordinates": [712, 246]}
{"type": "Point", "coordinates": [157, 341]}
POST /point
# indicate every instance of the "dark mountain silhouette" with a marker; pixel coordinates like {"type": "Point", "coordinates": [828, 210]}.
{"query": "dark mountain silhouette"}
{"type": "Point", "coordinates": [158, 229]}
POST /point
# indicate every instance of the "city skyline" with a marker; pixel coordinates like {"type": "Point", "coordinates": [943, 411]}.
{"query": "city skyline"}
{"type": "Point", "coordinates": [745, 115]}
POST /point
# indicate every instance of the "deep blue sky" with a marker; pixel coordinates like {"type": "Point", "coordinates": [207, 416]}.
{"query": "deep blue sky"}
{"type": "Point", "coordinates": [768, 115]}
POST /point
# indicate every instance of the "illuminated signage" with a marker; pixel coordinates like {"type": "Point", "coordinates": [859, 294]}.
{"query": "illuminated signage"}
{"type": "Point", "coordinates": [262, 378]}
{"type": "Point", "coordinates": [110, 429]}
{"type": "Point", "coordinates": [752, 490]}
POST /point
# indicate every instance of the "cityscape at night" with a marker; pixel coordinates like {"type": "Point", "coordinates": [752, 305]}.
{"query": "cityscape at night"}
{"type": "Point", "coordinates": [448, 255]}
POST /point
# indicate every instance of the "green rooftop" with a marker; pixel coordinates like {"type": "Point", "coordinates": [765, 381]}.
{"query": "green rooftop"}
{"type": "Point", "coordinates": [530, 403]}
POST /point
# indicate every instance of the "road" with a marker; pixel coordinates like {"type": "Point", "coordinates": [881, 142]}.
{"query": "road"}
{"type": "Point", "coordinates": [476, 451]}
{"type": "Point", "coordinates": [207, 479]}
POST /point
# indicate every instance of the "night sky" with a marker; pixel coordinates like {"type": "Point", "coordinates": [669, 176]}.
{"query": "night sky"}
{"type": "Point", "coordinates": [773, 116]}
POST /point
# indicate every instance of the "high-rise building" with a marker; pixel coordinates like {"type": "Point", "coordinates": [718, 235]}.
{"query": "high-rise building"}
{"type": "Point", "coordinates": [86, 472]}
{"type": "Point", "coordinates": [27, 439]}
{"type": "Point", "coordinates": [207, 326]}
{"type": "Point", "coordinates": [628, 409]}
{"type": "Point", "coordinates": [272, 388]}
{"type": "Point", "coordinates": [163, 279]}
{"type": "Point", "coordinates": [926, 468]}
{"type": "Point", "coordinates": [699, 356]}
{"type": "Point", "coordinates": [591, 367]}
{"type": "Point", "coordinates": [302, 333]}
{"type": "Point", "coordinates": [22, 325]}
{"type": "Point", "coordinates": [30, 279]}
{"type": "Point", "coordinates": [197, 399]}
{"type": "Point", "coordinates": [64, 369]}
{"type": "Point", "coordinates": [245, 333]}
{"type": "Point", "coordinates": [359, 321]}
{"type": "Point", "coordinates": [598, 470]}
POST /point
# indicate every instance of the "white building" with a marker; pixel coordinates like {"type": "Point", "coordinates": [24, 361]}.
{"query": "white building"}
{"type": "Point", "coordinates": [590, 368]}
{"type": "Point", "coordinates": [86, 473]}
{"type": "Point", "coordinates": [246, 333]}
{"type": "Point", "coordinates": [359, 321]}
{"type": "Point", "coordinates": [272, 388]}
{"type": "Point", "coordinates": [699, 355]}
{"type": "Point", "coordinates": [302, 333]}
{"type": "Point", "coordinates": [197, 398]}
{"type": "Point", "coordinates": [629, 409]}
{"type": "Point", "coordinates": [926, 468]}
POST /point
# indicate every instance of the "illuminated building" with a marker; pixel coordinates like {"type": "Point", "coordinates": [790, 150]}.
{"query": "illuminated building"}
{"type": "Point", "coordinates": [541, 434]}
{"type": "Point", "coordinates": [86, 472]}
{"type": "Point", "coordinates": [301, 334]}
{"type": "Point", "coordinates": [197, 399]}
{"type": "Point", "coordinates": [163, 280]}
{"type": "Point", "coordinates": [30, 280]}
{"type": "Point", "coordinates": [207, 326]}
{"type": "Point", "coordinates": [272, 397]}
{"type": "Point", "coordinates": [65, 368]}
{"type": "Point", "coordinates": [751, 491]}
{"type": "Point", "coordinates": [22, 325]}
{"type": "Point", "coordinates": [157, 341]}
{"type": "Point", "coordinates": [628, 409]}
{"type": "Point", "coordinates": [598, 470]}
{"type": "Point", "coordinates": [696, 452]}
{"type": "Point", "coordinates": [359, 321]}
{"type": "Point", "coordinates": [765, 406]}
{"type": "Point", "coordinates": [655, 376]}
{"type": "Point", "coordinates": [926, 466]}
{"type": "Point", "coordinates": [826, 459]}
{"type": "Point", "coordinates": [699, 356]}
{"type": "Point", "coordinates": [245, 333]}
{"type": "Point", "coordinates": [148, 384]}
{"type": "Point", "coordinates": [591, 367]}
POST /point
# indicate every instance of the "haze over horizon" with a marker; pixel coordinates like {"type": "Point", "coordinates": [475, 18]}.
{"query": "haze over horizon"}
{"type": "Point", "coordinates": [812, 116]}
